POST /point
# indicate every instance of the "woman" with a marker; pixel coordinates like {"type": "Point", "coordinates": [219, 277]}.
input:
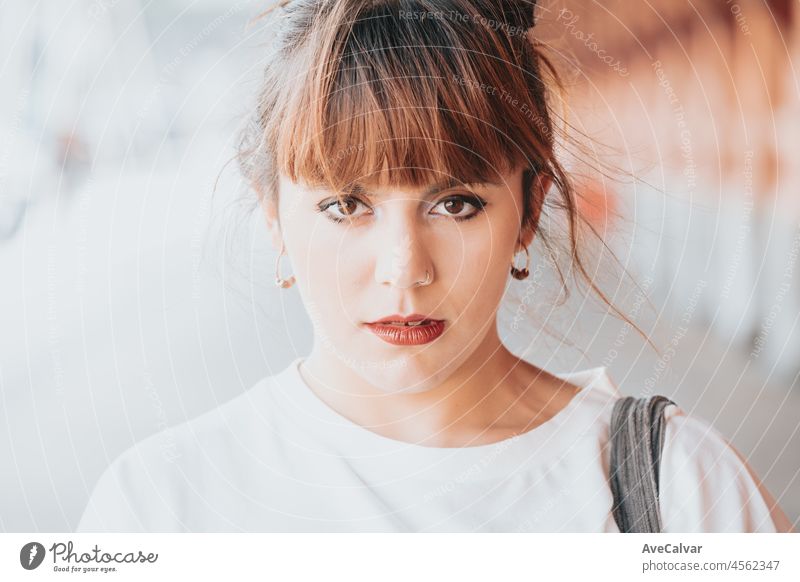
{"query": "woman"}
{"type": "Point", "coordinates": [401, 153]}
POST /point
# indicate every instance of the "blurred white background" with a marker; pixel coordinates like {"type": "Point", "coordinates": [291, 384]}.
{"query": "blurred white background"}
{"type": "Point", "coordinates": [134, 296]}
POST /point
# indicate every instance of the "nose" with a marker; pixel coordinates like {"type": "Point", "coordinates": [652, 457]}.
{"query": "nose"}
{"type": "Point", "coordinates": [403, 261]}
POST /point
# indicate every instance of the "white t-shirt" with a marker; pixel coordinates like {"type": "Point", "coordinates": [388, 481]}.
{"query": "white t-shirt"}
{"type": "Point", "coordinates": [278, 459]}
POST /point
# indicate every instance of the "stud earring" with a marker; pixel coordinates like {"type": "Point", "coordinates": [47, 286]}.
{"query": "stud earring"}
{"type": "Point", "coordinates": [520, 274]}
{"type": "Point", "coordinates": [279, 281]}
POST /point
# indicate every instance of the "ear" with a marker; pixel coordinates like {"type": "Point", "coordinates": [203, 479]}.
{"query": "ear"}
{"type": "Point", "coordinates": [273, 224]}
{"type": "Point", "coordinates": [541, 185]}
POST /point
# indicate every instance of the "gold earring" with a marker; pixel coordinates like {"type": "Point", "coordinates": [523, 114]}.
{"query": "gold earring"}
{"type": "Point", "coordinates": [279, 281]}
{"type": "Point", "coordinates": [520, 274]}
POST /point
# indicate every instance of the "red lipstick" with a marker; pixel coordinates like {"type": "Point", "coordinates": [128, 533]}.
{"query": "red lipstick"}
{"type": "Point", "coordinates": [408, 330]}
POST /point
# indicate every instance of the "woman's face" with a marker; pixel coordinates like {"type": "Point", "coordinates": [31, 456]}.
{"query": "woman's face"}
{"type": "Point", "coordinates": [357, 262]}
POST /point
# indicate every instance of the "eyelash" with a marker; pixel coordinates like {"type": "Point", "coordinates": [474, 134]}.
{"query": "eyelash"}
{"type": "Point", "coordinates": [476, 201]}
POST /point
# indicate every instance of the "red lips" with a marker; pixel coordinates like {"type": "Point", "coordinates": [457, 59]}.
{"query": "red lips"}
{"type": "Point", "coordinates": [392, 330]}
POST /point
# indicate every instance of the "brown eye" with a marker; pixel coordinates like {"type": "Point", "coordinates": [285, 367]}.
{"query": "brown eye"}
{"type": "Point", "coordinates": [454, 205]}
{"type": "Point", "coordinates": [349, 206]}
{"type": "Point", "coordinates": [462, 207]}
{"type": "Point", "coordinates": [339, 210]}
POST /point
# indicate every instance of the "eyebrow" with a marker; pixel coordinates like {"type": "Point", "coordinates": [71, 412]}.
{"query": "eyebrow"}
{"type": "Point", "coordinates": [359, 190]}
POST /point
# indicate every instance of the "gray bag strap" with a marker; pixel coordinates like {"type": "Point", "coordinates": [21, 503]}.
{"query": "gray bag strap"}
{"type": "Point", "coordinates": [636, 438]}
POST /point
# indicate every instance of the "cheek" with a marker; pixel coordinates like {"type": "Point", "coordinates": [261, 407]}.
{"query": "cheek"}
{"type": "Point", "coordinates": [475, 273]}
{"type": "Point", "coordinates": [316, 249]}
{"type": "Point", "coordinates": [328, 271]}
{"type": "Point", "coordinates": [482, 257]}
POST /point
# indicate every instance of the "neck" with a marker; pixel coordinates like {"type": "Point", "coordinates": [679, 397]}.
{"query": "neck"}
{"type": "Point", "coordinates": [486, 398]}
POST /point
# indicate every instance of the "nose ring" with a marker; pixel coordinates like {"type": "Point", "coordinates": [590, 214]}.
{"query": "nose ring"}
{"type": "Point", "coordinates": [426, 281]}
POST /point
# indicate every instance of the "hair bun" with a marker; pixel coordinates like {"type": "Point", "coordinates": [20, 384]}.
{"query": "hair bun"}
{"type": "Point", "coordinates": [520, 13]}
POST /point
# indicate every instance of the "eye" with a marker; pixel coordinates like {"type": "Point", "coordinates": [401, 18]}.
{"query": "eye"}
{"type": "Point", "coordinates": [457, 207]}
{"type": "Point", "coordinates": [341, 210]}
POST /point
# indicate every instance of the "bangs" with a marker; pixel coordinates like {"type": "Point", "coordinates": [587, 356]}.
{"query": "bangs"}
{"type": "Point", "coordinates": [401, 96]}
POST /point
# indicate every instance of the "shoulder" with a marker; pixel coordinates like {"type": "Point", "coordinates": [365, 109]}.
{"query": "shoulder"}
{"type": "Point", "coordinates": [137, 492]}
{"type": "Point", "coordinates": [593, 389]}
{"type": "Point", "coordinates": [214, 434]}
{"type": "Point", "coordinates": [151, 485]}
{"type": "Point", "coordinates": [707, 486]}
